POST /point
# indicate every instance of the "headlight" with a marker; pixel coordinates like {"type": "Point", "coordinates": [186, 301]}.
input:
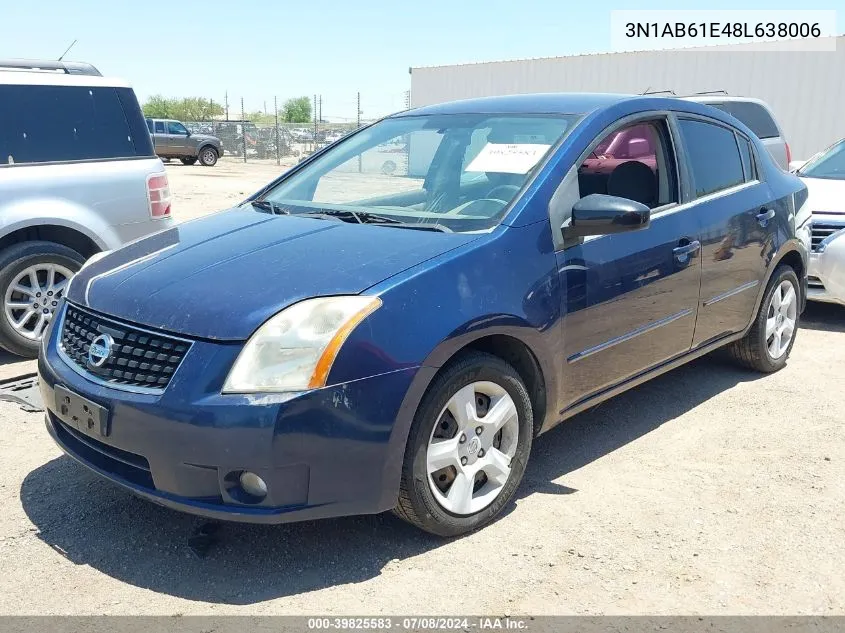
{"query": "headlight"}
{"type": "Point", "coordinates": [294, 350]}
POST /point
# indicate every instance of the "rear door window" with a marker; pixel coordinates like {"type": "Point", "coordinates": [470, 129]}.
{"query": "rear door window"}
{"type": "Point", "coordinates": [713, 156]}
{"type": "Point", "coordinates": [747, 156]}
{"type": "Point", "coordinates": [159, 127]}
{"type": "Point", "coordinates": [65, 123]}
{"type": "Point", "coordinates": [755, 116]}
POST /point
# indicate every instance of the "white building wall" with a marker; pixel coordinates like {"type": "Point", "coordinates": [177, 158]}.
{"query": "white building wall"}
{"type": "Point", "coordinates": [806, 90]}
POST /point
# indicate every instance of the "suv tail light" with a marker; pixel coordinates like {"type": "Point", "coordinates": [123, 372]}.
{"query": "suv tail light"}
{"type": "Point", "coordinates": [158, 194]}
{"type": "Point", "coordinates": [788, 155]}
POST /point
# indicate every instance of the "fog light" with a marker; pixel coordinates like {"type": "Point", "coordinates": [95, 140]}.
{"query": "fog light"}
{"type": "Point", "coordinates": [253, 484]}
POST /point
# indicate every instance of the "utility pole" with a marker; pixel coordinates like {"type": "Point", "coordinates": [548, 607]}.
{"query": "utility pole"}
{"type": "Point", "coordinates": [358, 125]}
{"type": "Point", "coordinates": [265, 108]}
{"type": "Point", "coordinates": [315, 122]}
{"type": "Point", "coordinates": [278, 149]}
{"type": "Point", "coordinates": [320, 108]}
{"type": "Point", "coordinates": [243, 128]}
{"type": "Point", "coordinates": [358, 111]}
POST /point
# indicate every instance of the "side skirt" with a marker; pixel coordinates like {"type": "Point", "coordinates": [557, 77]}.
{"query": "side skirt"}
{"type": "Point", "coordinates": [645, 376]}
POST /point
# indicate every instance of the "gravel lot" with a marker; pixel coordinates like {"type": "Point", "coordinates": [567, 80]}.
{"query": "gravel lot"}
{"type": "Point", "coordinates": [709, 490]}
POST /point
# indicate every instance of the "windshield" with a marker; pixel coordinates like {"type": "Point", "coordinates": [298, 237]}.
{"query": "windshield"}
{"type": "Point", "coordinates": [830, 164]}
{"type": "Point", "coordinates": [453, 172]}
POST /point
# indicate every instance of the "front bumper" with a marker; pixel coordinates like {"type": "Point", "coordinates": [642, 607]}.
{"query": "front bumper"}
{"type": "Point", "coordinates": [826, 272]}
{"type": "Point", "coordinates": [322, 453]}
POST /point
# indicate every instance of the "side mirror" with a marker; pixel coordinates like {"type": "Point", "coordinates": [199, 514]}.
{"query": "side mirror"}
{"type": "Point", "coordinates": [598, 214]}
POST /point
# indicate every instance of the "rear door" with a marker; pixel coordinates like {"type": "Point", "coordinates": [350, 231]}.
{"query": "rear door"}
{"type": "Point", "coordinates": [629, 299]}
{"type": "Point", "coordinates": [760, 121]}
{"type": "Point", "coordinates": [162, 142]}
{"type": "Point", "coordinates": [738, 222]}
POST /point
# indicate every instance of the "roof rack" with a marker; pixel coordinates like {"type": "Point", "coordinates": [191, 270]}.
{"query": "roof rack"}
{"type": "Point", "coordinates": [649, 91]}
{"type": "Point", "coordinates": [708, 92]}
{"type": "Point", "coordinates": [69, 68]}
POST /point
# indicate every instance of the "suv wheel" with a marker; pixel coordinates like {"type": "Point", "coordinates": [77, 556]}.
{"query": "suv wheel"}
{"type": "Point", "coordinates": [467, 448]}
{"type": "Point", "coordinates": [768, 343]}
{"type": "Point", "coordinates": [208, 156]}
{"type": "Point", "coordinates": [33, 277]}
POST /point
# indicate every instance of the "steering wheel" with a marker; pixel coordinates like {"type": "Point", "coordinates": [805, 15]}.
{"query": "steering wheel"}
{"type": "Point", "coordinates": [506, 192]}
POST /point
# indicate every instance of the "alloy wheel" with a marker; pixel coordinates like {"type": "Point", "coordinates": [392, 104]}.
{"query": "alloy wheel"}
{"type": "Point", "coordinates": [32, 298]}
{"type": "Point", "coordinates": [781, 316]}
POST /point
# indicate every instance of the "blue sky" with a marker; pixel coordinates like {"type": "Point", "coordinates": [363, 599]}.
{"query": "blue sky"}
{"type": "Point", "coordinates": [332, 47]}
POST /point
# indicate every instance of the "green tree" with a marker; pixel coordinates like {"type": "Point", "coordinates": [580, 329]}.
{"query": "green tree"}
{"type": "Point", "coordinates": [297, 110]}
{"type": "Point", "coordinates": [159, 107]}
{"type": "Point", "coordinates": [184, 109]}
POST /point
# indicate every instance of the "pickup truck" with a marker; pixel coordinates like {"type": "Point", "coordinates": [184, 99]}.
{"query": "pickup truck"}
{"type": "Point", "coordinates": [173, 140]}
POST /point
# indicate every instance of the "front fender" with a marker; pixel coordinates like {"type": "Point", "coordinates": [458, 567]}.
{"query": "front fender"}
{"type": "Point", "coordinates": [52, 211]}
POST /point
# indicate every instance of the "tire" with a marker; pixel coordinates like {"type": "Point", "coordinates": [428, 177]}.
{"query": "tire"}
{"type": "Point", "coordinates": [417, 502]}
{"type": "Point", "coordinates": [208, 156]}
{"type": "Point", "coordinates": [755, 349]}
{"type": "Point", "coordinates": [189, 160]}
{"type": "Point", "coordinates": [14, 261]}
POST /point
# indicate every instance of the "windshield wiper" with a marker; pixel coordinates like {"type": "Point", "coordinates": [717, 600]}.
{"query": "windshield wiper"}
{"type": "Point", "coordinates": [272, 207]}
{"type": "Point", "coordinates": [423, 226]}
{"type": "Point", "coordinates": [361, 217]}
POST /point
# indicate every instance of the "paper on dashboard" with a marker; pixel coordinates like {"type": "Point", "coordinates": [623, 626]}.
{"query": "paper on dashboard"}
{"type": "Point", "coordinates": [508, 158]}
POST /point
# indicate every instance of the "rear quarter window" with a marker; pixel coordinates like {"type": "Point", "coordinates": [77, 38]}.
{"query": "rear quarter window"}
{"type": "Point", "coordinates": [69, 123]}
{"type": "Point", "coordinates": [755, 116]}
{"type": "Point", "coordinates": [712, 155]}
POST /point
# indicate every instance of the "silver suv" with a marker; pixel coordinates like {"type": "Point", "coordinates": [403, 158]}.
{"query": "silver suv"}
{"type": "Point", "coordinates": [78, 176]}
{"type": "Point", "coordinates": [757, 116]}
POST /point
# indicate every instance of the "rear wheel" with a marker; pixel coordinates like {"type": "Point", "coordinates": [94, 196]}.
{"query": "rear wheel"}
{"type": "Point", "coordinates": [768, 343]}
{"type": "Point", "coordinates": [468, 447]}
{"type": "Point", "coordinates": [33, 277]}
{"type": "Point", "coordinates": [189, 160]}
{"type": "Point", "coordinates": [208, 156]}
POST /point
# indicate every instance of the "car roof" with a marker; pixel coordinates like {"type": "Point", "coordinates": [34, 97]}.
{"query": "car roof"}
{"type": "Point", "coordinates": [42, 78]}
{"type": "Point", "coordinates": [540, 103]}
{"type": "Point", "coordinates": [723, 98]}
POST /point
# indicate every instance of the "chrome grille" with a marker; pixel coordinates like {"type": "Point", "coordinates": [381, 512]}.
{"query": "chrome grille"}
{"type": "Point", "coordinates": [139, 358]}
{"type": "Point", "coordinates": [820, 230]}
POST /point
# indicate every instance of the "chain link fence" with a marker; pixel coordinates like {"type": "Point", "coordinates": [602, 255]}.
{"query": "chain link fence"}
{"type": "Point", "coordinates": [259, 140]}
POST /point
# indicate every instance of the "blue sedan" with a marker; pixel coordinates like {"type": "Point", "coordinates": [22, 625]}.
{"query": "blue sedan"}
{"type": "Point", "coordinates": [390, 324]}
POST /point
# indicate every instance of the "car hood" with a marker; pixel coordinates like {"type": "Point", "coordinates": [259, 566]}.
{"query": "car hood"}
{"type": "Point", "coordinates": [825, 195]}
{"type": "Point", "coordinates": [222, 276]}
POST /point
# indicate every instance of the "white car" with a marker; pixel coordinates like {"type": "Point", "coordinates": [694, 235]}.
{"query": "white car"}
{"type": "Point", "coordinates": [824, 175]}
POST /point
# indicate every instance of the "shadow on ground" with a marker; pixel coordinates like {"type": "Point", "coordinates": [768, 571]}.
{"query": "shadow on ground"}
{"type": "Point", "coordinates": [91, 522]}
{"type": "Point", "coordinates": [827, 317]}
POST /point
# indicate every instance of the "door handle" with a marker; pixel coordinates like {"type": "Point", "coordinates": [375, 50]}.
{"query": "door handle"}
{"type": "Point", "coordinates": [685, 251]}
{"type": "Point", "coordinates": [764, 216]}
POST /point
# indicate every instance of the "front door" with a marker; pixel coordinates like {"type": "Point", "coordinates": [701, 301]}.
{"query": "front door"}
{"type": "Point", "coordinates": [738, 224]}
{"type": "Point", "coordinates": [178, 139]}
{"type": "Point", "coordinates": [629, 300]}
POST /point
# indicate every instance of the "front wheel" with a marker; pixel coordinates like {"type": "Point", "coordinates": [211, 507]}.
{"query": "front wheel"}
{"type": "Point", "coordinates": [769, 342]}
{"type": "Point", "coordinates": [33, 278]}
{"type": "Point", "coordinates": [208, 156]}
{"type": "Point", "coordinates": [468, 447]}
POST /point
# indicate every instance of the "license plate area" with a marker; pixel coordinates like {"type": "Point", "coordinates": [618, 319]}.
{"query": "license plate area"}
{"type": "Point", "coordinates": [80, 413]}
